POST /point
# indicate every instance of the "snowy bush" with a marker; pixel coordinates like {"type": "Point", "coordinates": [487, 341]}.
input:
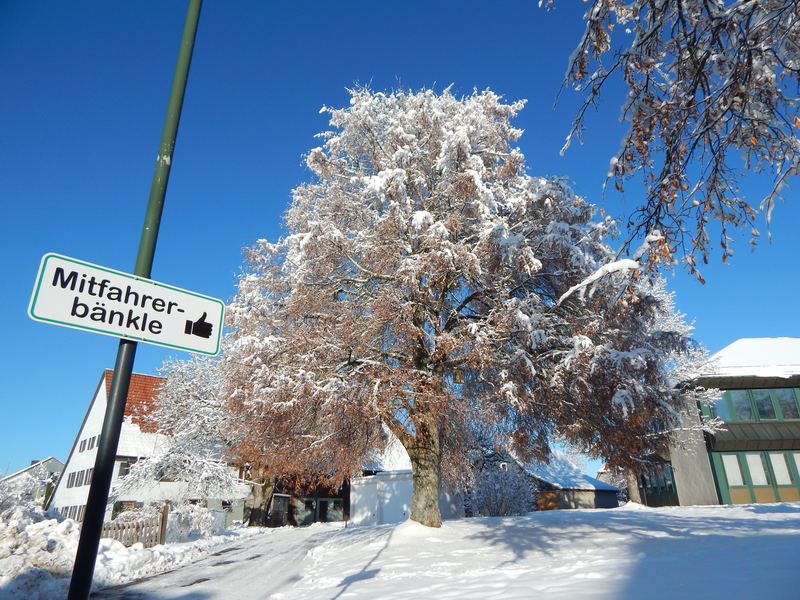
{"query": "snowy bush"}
{"type": "Point", "coordinates": [500, 493]}
{"type": "Point", "coordinates": [191, 522]}
{"type": "Point", "coordinates": [21, 491]}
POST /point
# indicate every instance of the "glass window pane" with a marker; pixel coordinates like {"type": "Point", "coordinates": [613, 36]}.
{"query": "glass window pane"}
{"type": "Point", "coordinates": [764, 404]}
{"type": "Point", "coordinates": [668, 475]}
{"type": "Point", "coordinates": [720, 409]}
{"type": "Point", "coordinates": [755, 462]}
{"type": "Point", "coordinates": [741, 405]}
{"type": "Point", "coordinates": [780, 468]}
{"type": "Point", "coordinates": [732, 470]}
{"type": "Point", "coordinates": [788, 404]}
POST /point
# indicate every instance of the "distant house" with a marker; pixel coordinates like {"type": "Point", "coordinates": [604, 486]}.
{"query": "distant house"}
{"type": "Point", "coordinates": [138, 439]}
{"type": "Point", "coordinates": [506, 485]}
{"type": "Point", "coordinates": [563, 485]}
{"type": "Point", "coordinates": [45, 472]}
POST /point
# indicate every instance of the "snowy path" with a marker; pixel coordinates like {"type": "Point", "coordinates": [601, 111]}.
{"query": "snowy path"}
{"type": "Point", "coordinates": [251, 568]}
{"type": "Point", "coordinates": [675, 553]}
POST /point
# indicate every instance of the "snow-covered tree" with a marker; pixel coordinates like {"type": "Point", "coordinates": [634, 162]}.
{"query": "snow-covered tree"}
{"type": "Point", "coordinates": [22, 490]}
{"type": "Point", "coordinates": [424, 286]}
{"type": "Point", "coordinates": [197, 429]}
{"type": "Point", "coordinates": [708, 81]}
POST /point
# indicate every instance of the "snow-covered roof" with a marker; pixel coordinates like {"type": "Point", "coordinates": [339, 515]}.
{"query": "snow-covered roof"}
{"type": "Point", "coordinates": [33, 466]}
{"type": "Point", "coordinates": [393, 458]}
{"type": "Point", "coordinates": [564, 475]}
{"type": "Point", "coordinates": [758, 357]}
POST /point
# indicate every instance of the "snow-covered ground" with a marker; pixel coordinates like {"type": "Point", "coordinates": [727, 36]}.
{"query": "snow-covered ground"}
{"type": "Point", "coordinates": [37, 552]}
{"type": "Point", "coordinates": [627, 553]}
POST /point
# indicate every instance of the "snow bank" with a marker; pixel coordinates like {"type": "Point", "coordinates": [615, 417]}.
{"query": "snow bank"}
{"type": "Point", "coordinates": [37, 552]}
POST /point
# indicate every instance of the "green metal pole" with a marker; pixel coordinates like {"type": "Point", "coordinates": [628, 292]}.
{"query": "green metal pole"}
{"type": "Point", "coordinates": [92, 527]}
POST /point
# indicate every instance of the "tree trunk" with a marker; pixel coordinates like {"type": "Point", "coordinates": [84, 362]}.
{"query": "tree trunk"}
{"type": "Point", "coordinates": [424, 454]}
{"type": "Point", "coordinates": [262, 496]}
{"type": "Point", "coordinates": [633, 486]}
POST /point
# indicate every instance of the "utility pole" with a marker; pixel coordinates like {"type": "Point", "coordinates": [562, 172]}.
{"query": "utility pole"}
{"type": "Point", "coordinates": [86, 557]}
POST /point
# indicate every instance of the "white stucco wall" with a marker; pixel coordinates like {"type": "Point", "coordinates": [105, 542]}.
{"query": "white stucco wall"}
{"type": "Point", "coordinates": [380, 499]}
{"type": "Point", "coordinates": [386, 498]}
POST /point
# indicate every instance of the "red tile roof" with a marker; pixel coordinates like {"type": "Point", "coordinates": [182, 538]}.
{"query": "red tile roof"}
{"type": "Point", "coordinates": [141, 398]}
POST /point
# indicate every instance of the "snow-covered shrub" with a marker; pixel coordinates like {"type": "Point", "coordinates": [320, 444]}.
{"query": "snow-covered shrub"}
{"type": "Point", "coordinates": [500, 493]}
{"type": "Point", "coordinates": [191, 522]}
{"type": "Point", "coordinates": [499, 486]}
{"type": "Point", "coordinates": [21, 491]}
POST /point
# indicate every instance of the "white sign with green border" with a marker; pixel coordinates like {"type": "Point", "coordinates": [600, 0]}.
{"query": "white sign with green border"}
{"type": "Point", "coordinates": [76, 294]}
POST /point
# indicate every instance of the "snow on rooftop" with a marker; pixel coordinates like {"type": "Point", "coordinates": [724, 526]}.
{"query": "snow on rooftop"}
{"type": "Point", "coordinates": [31, 467]}
{"type": "Point", "coordinates": [562, 474]}
{"type": "Point", "coordinates": [393, 458]}
{"type": "Point", "coordinates": [759, 357]}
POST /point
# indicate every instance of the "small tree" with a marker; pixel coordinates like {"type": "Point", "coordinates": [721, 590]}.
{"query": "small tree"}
{"type": "Point", "coordinates": [197, 429]}
{"type": "Point", "coordinates": [500, 488]}
{"type": "Point", "coordinates": [708, 81]}
{"type": "Point", "coordinates": [22, 490]}
{"type": "Point", "coordinates": [419, 288]}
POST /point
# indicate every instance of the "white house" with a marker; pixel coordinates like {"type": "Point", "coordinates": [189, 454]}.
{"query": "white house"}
{"type": "Point", "coordinates": [138, 439]}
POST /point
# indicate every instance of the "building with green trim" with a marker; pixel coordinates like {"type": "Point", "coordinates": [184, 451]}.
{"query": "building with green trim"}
{"type": "Point", "coordinates": [755, 457]}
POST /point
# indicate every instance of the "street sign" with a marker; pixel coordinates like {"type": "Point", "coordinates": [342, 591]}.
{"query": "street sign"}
{"type": "Point", "coordinates": [72, 293]}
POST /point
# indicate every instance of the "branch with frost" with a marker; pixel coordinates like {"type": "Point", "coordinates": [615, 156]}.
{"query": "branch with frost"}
{"type": "Point", "coordinates": [619, 266]}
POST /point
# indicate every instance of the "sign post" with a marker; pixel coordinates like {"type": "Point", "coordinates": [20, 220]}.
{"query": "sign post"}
{"type": "Point", "coordinates": [83, 571]}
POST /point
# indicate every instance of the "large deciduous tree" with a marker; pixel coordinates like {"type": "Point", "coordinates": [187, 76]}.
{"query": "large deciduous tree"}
{"type": "Point", "coordinates": [709, 82]}
{"type": "Point", "coordinates": [423, 287]}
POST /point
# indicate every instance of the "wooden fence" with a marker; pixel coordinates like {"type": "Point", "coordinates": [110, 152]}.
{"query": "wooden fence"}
{"type": "Point", "coordinates": [149, 532]}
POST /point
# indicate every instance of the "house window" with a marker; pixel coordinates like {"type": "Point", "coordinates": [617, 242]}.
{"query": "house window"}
{"type": "Point", "coordinates": [766, 411]}
{"type": "Point", "coordinates": [721, 409]}
{"type": "Point", "coordinates": [71, 480]}
{"type": "Point", "coordinates": [125, 466]}
{"type": "Point", "coordinates": [787, 403]}
{"type": "Point", "coordinates": [81, 511]}
{"type": "Point", "coordinates": [758, 471]}
{"type": "Point", "coordinates": [89, 476]}
{"type": "Point", "coordinates": [733, 470]}
{"type": "Point", "coordinates": [82, 446]}
{"type": "Point", "coordinates": [780, 468]}
{"type": "Point", "coordinates": [79, 479]}
{"type": "Point", "coordinates": [91, 442]}
{"type": "Point", "coordinates": [758, 405]}
{"type": "Point", "coordinates": [741, 405]}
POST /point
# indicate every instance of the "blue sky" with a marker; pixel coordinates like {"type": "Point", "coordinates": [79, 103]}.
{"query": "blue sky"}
{"type": "Point", "coordinates": [85, 88]}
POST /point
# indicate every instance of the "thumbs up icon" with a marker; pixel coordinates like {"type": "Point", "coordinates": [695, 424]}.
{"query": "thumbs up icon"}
{"type": "Point", "coordinates": [200, 328]}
